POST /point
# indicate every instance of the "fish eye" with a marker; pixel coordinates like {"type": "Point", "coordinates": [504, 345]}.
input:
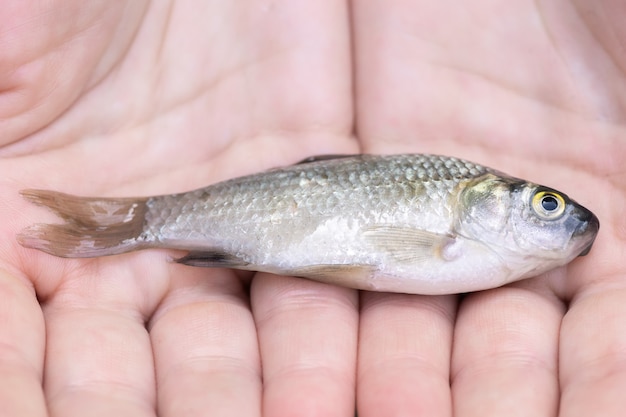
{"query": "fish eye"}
{"type": "Point", "coordinates": [548, 205]}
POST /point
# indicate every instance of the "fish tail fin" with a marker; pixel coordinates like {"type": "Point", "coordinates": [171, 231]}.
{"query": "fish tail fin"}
{"type": "Point", "coordinates": [93, 226]}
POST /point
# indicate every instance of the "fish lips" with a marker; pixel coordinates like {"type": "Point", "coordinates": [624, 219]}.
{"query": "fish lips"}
{"type": "Point", "coordinates": [589, 225]}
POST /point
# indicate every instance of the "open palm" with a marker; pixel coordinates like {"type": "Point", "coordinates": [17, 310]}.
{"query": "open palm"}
{"type": "Point", "coordinates": [142, 98]}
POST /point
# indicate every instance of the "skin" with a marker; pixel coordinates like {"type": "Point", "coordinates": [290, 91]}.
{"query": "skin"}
{"type": "Point", "coordinates": [132, 98]}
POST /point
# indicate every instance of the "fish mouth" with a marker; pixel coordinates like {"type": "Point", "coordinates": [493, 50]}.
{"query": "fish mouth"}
{"type": "Point", "coordinates": [587, 249]}
{"type": "Point", "coordinates": [589, 226]}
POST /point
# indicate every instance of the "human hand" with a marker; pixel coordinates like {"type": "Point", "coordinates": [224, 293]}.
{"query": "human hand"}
{"type": "Point", "coordinates": [138, 98]}
{"type": "Point", "coordinates": [535, 90]}
{"type": "Point", "coordinates": [154, 114]}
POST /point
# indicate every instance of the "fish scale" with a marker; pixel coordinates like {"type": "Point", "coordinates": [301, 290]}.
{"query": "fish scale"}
{"type": "Point", "coordinates": [377, 189]}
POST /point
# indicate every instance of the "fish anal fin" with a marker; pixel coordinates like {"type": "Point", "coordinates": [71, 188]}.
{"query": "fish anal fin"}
{"type": "Point", "coordinates": [412, 245]}
{"type": "Point", "coordinates": [212, 259]}
{"type": "Point", "coordinates": [352, 276]}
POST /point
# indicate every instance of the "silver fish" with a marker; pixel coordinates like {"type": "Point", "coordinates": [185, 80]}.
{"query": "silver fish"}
{"type": "Point", "coordinates": [420, 224]}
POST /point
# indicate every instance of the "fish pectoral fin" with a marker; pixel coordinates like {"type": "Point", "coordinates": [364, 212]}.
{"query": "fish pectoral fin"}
{"type": "Point", "coordinates": [212, 259]}
{"type": "Point", "coordinates": [411, 245]}
{"type": "Point", "coordinates": [347, 275]}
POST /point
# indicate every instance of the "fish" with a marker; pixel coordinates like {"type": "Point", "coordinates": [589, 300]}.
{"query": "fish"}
{"type": "Point", "coordinates": [407, 223]}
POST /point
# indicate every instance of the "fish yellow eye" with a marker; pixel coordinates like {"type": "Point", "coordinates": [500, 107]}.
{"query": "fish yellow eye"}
{"type": "Point", "coordinates": [548, 205]}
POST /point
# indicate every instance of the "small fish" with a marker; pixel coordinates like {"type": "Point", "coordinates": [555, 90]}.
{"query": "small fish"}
{"type": "Point", "coordinates": [420, 224]}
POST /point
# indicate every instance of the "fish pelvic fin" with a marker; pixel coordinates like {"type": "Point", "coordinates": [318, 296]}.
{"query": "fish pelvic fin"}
{"type": "Point", "coordinates": [212, 259]}
{"type": "Point", "coordinates": [93, 226]}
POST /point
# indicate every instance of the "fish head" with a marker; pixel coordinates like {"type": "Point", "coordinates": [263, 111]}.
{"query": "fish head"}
{"type": "Point", "coordinates": [532, 228]}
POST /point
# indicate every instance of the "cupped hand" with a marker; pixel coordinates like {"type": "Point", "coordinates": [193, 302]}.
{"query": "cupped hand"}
{"type": "Point", "coordinates": [536, 90]}
{"type": "Point", "coordinates": [140, 98]}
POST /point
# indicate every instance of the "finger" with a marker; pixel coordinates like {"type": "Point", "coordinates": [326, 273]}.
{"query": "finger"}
{"type": "Point", "coordinates": [205, 348]}
{"type": "Point", "coordinates": [504, 358]}
{"type": "Point", "coordinates": [22, 337]}
{"type": "Point", "coordinates": [593, 353]}
{"type": "Point", "coordinates": [98, 355]}
{"type": "Point", "coordinates": [307, 338]}
{"type": "Point", "coordinates": [404, 355]}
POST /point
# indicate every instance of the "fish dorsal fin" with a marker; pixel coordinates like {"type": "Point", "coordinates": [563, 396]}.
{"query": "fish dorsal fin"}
{"type": "Point", "coordinates": [317, 158]}
{"type": "Point", "coordinates": [412, 245]}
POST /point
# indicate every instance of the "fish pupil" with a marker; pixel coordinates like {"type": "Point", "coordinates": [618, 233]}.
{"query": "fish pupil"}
{"type": "Point", "coordinates": [549, 203]}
